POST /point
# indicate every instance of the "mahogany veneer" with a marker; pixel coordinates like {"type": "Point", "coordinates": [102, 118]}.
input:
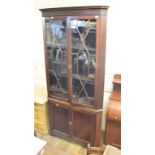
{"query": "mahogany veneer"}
{"type": "Point", "coordinates": [75, 41]}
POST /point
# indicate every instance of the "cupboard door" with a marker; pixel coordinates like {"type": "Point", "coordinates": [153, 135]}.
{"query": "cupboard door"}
{"type": "Point", "coordinates": [83, 130]}
{"type": "Point", "coordinates": [83, 54]}
{"type": "Point", "coordinates": [55, 37]}
{"type": "Point", "coordinates": [59, 118]}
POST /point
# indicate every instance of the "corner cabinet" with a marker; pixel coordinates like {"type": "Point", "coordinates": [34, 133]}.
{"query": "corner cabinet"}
{"type": "Point", "coordinates": [75, 40]}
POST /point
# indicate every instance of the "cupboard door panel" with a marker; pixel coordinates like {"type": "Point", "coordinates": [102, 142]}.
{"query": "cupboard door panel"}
{"type": "Point", "coordinates": [83, 125]}
{"type": "Point", "coordinates": [59, 119]}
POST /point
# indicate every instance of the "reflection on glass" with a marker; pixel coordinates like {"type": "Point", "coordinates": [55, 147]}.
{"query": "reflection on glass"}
{"type": "Point", "coordinates": [57, 59]}
{"type": "Point", "coordinates": [83, 34]}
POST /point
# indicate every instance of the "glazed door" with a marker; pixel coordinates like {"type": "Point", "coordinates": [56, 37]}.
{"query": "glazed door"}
{"type": "Point", "coordinates": [84, 49]}
{"type": "Point", "coordinates": [72, 52]}
{"type": "Point", "coordinates": [56, 48]}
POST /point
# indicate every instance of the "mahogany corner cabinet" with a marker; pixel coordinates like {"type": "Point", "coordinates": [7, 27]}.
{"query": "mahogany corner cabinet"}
{"type": "Point", "coordinates": [75, 41]}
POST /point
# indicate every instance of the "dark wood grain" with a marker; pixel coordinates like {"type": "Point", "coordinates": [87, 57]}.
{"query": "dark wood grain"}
{"type": "Point", "coordinates": [101, 69]}
{"type": "Point", "coordinates": [71, 11]}
{"type": "Point", "coordinates": [69, 59]}
{"type": "Point", "coordinates": [97, 60]}
{"type": "Point", "coordinates": [59, 117]}
{"type": "Point", "coordinates": [113, 134]}
{"type": "Point", "coordinates": [95, 150]}
{"type": "Point", "coordinates": [81, 128]}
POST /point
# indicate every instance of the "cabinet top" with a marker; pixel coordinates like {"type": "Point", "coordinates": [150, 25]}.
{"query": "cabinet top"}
{"type": "Point", "coordinates": [81, 10]}
{"type": "Point", "coordinates": [74, 8]}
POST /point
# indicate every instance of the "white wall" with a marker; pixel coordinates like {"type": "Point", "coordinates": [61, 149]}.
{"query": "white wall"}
{"type": "Point", "coordinates": [69, 3]}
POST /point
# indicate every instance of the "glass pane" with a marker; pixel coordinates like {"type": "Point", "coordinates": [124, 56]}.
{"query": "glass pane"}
{"type": "Point", "coordinates": [83, 34]}
{"type": "Point", "coordinates": [57, 59]}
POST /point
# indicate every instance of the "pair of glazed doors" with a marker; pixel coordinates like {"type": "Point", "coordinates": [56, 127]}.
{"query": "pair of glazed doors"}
{"type": "Point", "coordinates": [72, 47]}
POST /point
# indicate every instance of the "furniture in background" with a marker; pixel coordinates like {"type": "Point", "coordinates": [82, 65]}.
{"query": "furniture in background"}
{"type": "Point", "coordinates": [113, 116]}
{"type": "Point", "coordinates": [74, 41]}
{"type": "Point", "coordinates": [95, 150]}
{"type": "Point", "coordinates": [40, 101]}
{"type": "Point", "coordinates": [41, 118]}
{"type": "Point", "coordinates": [104, 150]}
